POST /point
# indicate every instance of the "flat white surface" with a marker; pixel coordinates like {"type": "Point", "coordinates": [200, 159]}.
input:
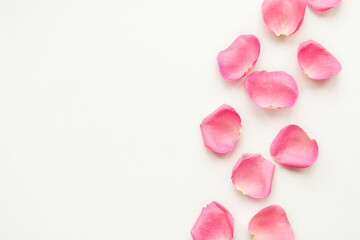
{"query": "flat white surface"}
{"type": "Point", "coordinates": [101, 103]}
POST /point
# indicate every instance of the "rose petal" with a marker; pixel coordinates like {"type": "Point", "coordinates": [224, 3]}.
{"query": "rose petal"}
{"type": "Point", "coordinates": [271, 223]}
{"type": "Point", "coordinates": [272, 90]}
{"type": "Point", "coordinates": [283, 17]}
{"type": "Point", "coordinates": [317, 62]}
{"type": "Point", "coordinates": [238, 59]}
{"type": "Point", "coordinates": [221, 129]}
{"type": "Point", "coordinates": [323, 5]}
{"type": "Point", "coordinates": [214, 223]}
{"type": "Point", "coordinates": [252, 175]}
{"type": "Point", "coordinates": [292, 147]}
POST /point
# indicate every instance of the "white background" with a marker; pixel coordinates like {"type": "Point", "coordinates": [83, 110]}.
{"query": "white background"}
{"type": "Point", "coordinates": [101, 102]}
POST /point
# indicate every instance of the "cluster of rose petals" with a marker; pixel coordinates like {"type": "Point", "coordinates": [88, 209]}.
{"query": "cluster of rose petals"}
{"type": "Point", "coordinates": [214, 223]}
{"type": "Point", "coordinates": [283, 17]}
{"type": "Point", "coordinates": [239, 58]}
{"type": "Point", "coordinates": [292, 147]}
{"type": "Point", "coordinates": [323, 5]}
{"type": "Point", "coordinates": [221, 129]}
{"type": "Point", "coordinates": [316, 61]}
{"type": "Point", "coordinates": [271, 223]}
{"type": "Point", "coordinates": [272, 90]}
{"type": "Point", "coordinates": [252, 175]}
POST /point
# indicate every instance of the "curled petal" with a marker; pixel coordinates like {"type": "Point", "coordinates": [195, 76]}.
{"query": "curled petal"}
{"type": "Point", "coordinates": [317, 62]}
{"type": "Point", "coordinates": [214, 223]}
{"type": "Point", "coordinates": [238, 59]}
{"type": "Point", "coordinates": [252, 175]}
{"type": "Point", "coordinates": [292, 147]}
{"type": "Point", "coordinates": [221, 129]}
{"type": "Point", "coordinates": [283, 17]}
{"type": "Point", "coordinates": [271, 223]}
{"type": "Point", "coordinates": [323, 5]}
{"type": "Point", "coordinates": [272, 90]}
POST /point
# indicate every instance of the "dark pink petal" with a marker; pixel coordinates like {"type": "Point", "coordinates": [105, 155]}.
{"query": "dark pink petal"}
{"type": "Point", "coordinates": [272, 90]}
{"type": "Point", "coordinates": [238, 59]}
{"type": "Point", "coordinates": [317, 62]}
{"type": "Point", "coordinates": [271, 223]}
{"type": "Point", "coordinates": [214, 223]}
{"type": "Point", "coordinates": [292, 147]}
{"type": "Point", "coordinates": [252, 175]}
{"type": "Point", "coordinates": [283, 17]}
{"type": "Point", "coordinates": [221, 129]}
{"type": "Point", "coordinates": [323, 5]}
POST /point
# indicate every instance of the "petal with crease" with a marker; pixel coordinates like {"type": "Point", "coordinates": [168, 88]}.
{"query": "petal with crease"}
{"type": "Point", "coordinates": [221, 129]}
{"type": "Point", "coordinates": [316, 61]}
{"type": "Point", "coordinates": [252, 175]}
{"type": "Point", "coordinates": [214, 223]}
{"type": "Point", "coordinates": [283, 17]}
{"type": "Point", "coordinates": [323, 5]}
{"type": "Point", "coordinates": [239, 58]}
{"type": "Point", "coordinates": [271, 223]}
{"type": "Point", "coordinates": [272, 90]}
{"type": "Point", "coordinates": [292, 147]}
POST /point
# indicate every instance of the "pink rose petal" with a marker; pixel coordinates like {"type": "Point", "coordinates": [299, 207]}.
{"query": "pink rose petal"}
{"type": "Point", "coordinates": [238, 59]}
{"type": "Point", "coordinates": [214, 223]}
{"type": "Point", "coordinates": [271, 223]}
{"type": "Point", "coordinates": [317, 62]}
{"type": "Point", "coordinates": [252, 175]}
{"type": "Point", "coordinates": [292, 147]}
{"type": "Point", "coordinates": [221, 129]}
{"type": "Point", "coordinates": [323, 5]}
{"type": "Point", "coordinates": [283, 17]}
{"type": "Point", "coordinates": [272, 90]}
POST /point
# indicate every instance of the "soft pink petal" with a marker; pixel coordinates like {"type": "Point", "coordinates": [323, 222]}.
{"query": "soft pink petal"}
{"type": "Point", "coordinates": [271, 223]}
{"type": "Point", "coordinates": [214, 223]}
{"type": "Point", "coordinates": [283, 17]}
{"type": "Point", "coordinates": [272, 90]}
{"type": "Point", "coordinates": [317, 62]}
{"type": "Point", "coordinates": [252, 175]}
{"type": "Point", "coordinates": [323, 5]}
{"type": "Point", "coordinates": [292, 147]}
{"type": "Point", "coordinates": [221, 129]}
{"type": "Point", "coordinates": [238, 59]}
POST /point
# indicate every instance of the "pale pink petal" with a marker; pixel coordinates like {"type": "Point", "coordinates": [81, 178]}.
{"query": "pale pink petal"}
{"type": "Point", "coordinates": [238, 59]}
{"type": "Point", "coordinates": [214, 223]}
{"type": "Point", "coordinates": [292, 147]}
{"type": "Point", "coordinates": [252, 175]}
{"type": "Point", "coordinates": [283, 17]}
{"type": "Point", "coordinates": [323, 5]}
{"type": "Point", "coordinates": [317, 62]}
{"type": "Point", "coordinates": [271, 223]}
{"type": "Point", "coordinates": [221, 129]}
{"type": "Point", "coordinates": [272, 90]}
